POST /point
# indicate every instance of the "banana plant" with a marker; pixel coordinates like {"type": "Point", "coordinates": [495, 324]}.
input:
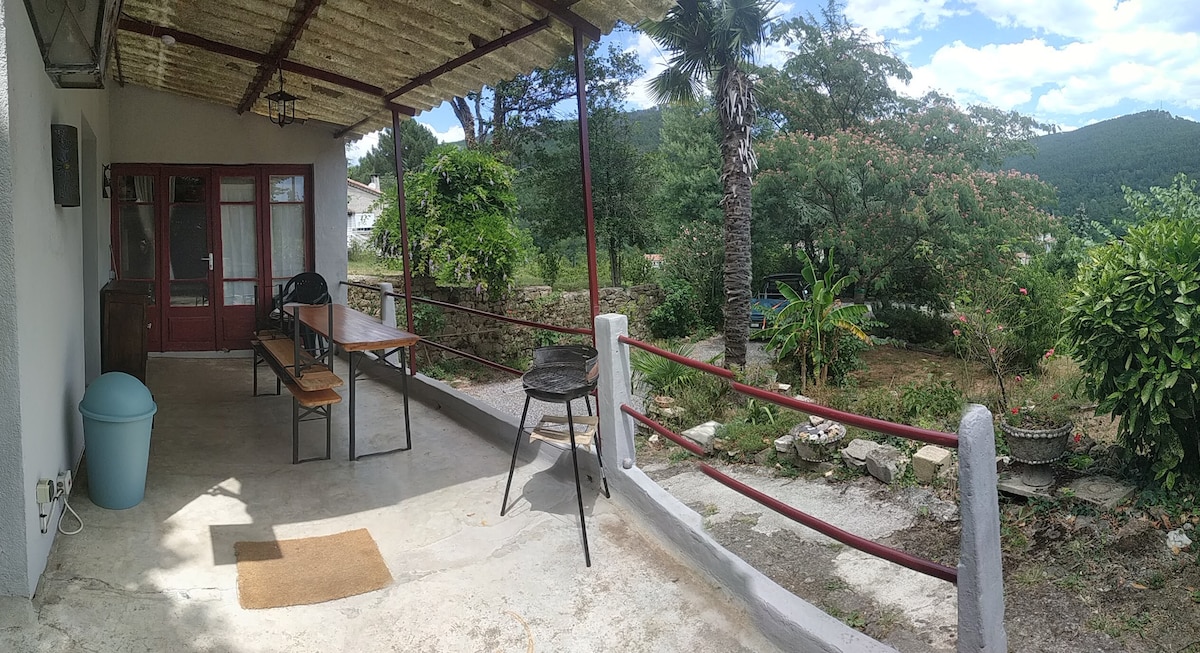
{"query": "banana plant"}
{"type": "Point", "coordinates": [811, 324]}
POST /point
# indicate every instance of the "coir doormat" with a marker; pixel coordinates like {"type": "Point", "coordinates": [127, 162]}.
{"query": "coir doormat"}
{"type": "Point", "coordinates": [309, 570]}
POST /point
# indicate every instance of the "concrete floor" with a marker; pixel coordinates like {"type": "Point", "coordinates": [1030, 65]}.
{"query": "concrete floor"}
{"type": "Point", "coordinates": [162, 576]}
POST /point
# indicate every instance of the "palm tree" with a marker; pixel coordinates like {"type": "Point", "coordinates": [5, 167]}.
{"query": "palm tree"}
{"type": "Point", "coordinates": [707, 40]}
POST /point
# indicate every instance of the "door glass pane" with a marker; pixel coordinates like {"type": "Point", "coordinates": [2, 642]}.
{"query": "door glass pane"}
{"type": "Point", "coordinates": [287, 241]}
{"type": "Point", "coordinates": [137, 241]}
{"type": "Point", "coordinates": [239, 293]}
{"type": "Point", "coordinates": [238, 241]}
{"type": "Point", "coordinates": [187, 189]}
{"type": "Point", "coordinates": [237, 189]}
{"type": "Point", "coordinates": [287, 188]}
{"type": "Point", "coordinates": [135, 188]}
{"type": "Point", "coordinates": [189, 242]}
{"type": "Point", "coordinates": [189, 293]}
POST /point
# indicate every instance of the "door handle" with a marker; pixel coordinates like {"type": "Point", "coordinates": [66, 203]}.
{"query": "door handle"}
{"type": "Point", "coordinates": [208, 258]}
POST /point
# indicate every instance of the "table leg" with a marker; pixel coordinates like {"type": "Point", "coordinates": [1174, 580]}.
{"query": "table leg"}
{"type": "Point", "coordinates": [353, 373]}
{"type": "Point", "coordinates": [404, 388]}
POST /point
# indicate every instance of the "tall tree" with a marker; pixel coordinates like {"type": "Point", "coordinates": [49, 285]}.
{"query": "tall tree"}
{"type": "Point", "coordinates": [621, 186]}
{"type": "Point", "coordinates": [502, 116]}
{"type": "Point", "coordinates": [837, 76]}
{"type": "Point", "coordinates": [717, 39]}
{"type": "Point", "coordinates": [416, 142]}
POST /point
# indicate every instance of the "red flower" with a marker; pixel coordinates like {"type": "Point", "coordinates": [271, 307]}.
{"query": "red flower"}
{"type": "Point", "coordinates": [956, 332]}
{"type": "Point", "coordinates": [1055, 397]}
{"type": "Point", "coordinates": [1018, 378]}
{"type": "Point", "coordinates": [962, 318]}
{"type": "Point", "coordinates": [1016, 409]}
{"type": "Point", "coordinates": [1024, 292]}
{"type": "Point", "coordinates": [1078, 437]}
{"type": "Point", "coordinates": [1049, 353]}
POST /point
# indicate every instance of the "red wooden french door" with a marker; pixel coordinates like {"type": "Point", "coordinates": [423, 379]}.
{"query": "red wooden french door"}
{"type": "Point", "coordinates": [204, 239]}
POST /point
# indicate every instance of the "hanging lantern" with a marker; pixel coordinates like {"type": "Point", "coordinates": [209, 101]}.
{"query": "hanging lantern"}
{"type": "Point", "coordinates": [282, 105]}
{"type": "Point", "coordinates": [75, 37]}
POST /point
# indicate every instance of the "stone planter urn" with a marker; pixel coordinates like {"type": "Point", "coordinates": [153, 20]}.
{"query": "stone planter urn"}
{"type": "Point", "coordinates": [1036, 449]}
{"type": "Point", "coordinates": [818, 443]}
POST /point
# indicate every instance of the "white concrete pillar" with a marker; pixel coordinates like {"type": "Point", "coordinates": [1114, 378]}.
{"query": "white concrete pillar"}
{"type": "Point", "coordinates": [980, 573]}
{"type": "Point", "coordinates": [387, 313]}
{"type": "Point", "coordinates": [613, 389]}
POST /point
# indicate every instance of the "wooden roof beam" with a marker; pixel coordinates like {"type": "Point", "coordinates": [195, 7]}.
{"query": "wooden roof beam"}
{"type": "Point", "coordinates": [186, 38]}
{"type": "Point", "coordinates": [306, 9]}
{"type": "Point", "coordinates": [480, 51]}
{"type": "Point", "coordinates": [574, 20]}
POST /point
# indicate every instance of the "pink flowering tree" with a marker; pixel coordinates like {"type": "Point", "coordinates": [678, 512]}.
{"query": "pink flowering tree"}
{"type": "Point", "coordinates": [891, 209]}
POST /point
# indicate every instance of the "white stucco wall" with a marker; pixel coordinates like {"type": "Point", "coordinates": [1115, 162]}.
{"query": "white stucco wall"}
{"type": "Point", "coordinates": [13, 574]}
{"type": "Point", "coordinates": [153, 127]}
{"type": "Point", "coordinates": [52, 285]}
{"type": "Point", "coordinates": [54, 260]}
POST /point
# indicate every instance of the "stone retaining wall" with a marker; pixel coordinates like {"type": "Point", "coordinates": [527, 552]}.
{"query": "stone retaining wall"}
{"type": "Point", "coordinates": [502, 342]}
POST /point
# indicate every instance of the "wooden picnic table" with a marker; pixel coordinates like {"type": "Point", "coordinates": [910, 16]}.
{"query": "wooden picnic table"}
{"type": "Point", "coordinates": [356, 332]}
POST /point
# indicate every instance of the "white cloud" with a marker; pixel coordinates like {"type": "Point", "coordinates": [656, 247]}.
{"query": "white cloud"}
{"type": "Point", "coordinates": [654, 60]}
{"type": "Point", "coordinates": [359, 148]}
{"type": "Point", "coordinates": [451, 135]}
{"type": "Point", "coordinates": [1145, 65]}
{"type": "Point", "coordinates": [1081, 19]}
{"type": "Point", "coordinates": [877, 15]}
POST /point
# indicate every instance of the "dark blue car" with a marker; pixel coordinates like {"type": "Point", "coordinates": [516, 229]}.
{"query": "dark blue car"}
{"type": "Point", "coordinates": [770, 300]}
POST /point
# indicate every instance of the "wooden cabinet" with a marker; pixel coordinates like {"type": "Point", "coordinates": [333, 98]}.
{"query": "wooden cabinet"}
{"type": "Point", "coordinates": [125, 327]}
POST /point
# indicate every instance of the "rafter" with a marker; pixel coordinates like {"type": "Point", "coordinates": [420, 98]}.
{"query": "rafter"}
{"type": "Point", "coordinates": [482, 49]}
{"type": "Point", "coordinates": [186, 38]}
{"type": "Point", "coordinates": [458, 62]}
{"type": "Point", "coordinates": [574, 20]}
{"type": "Point", "coordinates": [306, 9]}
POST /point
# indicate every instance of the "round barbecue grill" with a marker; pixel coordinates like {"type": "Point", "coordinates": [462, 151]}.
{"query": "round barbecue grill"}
{"type": "Point", "coordinates": [558, 382]}
{"type": "Point", "coordinates": [561, 374]}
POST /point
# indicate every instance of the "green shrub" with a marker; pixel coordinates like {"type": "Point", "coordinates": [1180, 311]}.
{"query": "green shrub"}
{"type": "Point", "coordinates": [912, 325]}
{"type": "Point", "coordinates": [676, 317]}
{"type": "Point", "coordinates": [929, 398]}
{"type": "Point", "coordinates": [695, 256]}
{"type": "Point", "coordinates": [461, 220]}
{"type": "Point", "coordinates": [1039, 326]}
{"type": "Point", "coordinates": [1134, 321]}
{"type": "Point", "coordinates": [662, 375]}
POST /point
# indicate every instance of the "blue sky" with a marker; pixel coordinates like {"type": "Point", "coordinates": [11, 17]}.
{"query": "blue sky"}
{"type": "Point", "coordinates": [1068, 62]}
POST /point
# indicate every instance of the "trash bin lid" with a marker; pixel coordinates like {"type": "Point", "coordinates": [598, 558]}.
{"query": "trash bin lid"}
{"type": "Point", "coordinates": [117, 397]}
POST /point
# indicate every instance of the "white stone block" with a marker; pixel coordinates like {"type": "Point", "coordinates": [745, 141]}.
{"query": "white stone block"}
{"type": "Point", "coordinates": [928, 462]}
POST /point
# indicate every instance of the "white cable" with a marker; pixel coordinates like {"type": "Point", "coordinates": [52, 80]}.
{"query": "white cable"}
{"type": "Point", "coordinates": [66, 507]}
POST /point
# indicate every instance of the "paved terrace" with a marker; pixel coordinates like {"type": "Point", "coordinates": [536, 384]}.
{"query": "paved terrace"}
{"type": "Point", "coordinates": [162, 576]}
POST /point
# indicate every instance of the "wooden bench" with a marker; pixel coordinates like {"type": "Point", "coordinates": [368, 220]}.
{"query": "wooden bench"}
{"type": "Point", "coordinates": [312, 390]}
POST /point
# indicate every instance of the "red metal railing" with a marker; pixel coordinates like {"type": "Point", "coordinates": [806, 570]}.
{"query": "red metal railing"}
{"type": "Point", "coordinates": [473, 311]}
{"type": "Point", "coordinates": [885, 552]}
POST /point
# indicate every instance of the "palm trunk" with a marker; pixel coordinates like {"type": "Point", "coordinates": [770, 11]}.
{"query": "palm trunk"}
{"type": "Point", "coordinates": [736, 111]}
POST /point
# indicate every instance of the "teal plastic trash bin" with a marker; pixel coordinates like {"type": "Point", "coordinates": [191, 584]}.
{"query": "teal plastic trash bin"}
{"type": "Point", "coordinates": [117, 415]}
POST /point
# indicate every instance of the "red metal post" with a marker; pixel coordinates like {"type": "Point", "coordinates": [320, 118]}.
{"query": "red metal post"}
{"type": "Point", "coordinates": [408, 305]}
{"type": "Point", "coordinates": [585, 159]}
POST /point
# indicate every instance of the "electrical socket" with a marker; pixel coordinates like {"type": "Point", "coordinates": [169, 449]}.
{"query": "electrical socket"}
{"type": "Point", "coordinates": [44, 491]}
{"type": "Point", "coordinates": [63, 487]}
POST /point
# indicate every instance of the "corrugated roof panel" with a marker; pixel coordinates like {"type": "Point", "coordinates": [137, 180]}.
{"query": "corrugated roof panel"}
{"type": "Point", "coordinates": [383, 43]}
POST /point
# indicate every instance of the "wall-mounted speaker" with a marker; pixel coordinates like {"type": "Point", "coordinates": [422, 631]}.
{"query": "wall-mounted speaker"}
{"type": "Point", "coordinates": [64, 151]}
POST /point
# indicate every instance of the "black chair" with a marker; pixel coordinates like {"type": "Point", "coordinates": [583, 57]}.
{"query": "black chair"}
{"type": "Point", "coordinates": [304, 288]}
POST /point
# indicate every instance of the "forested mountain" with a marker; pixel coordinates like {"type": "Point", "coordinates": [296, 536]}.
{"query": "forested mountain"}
{"type": "Point", "coordinates": [645, 125]}
{"type": "Point", "coordinates": [1089, 165]}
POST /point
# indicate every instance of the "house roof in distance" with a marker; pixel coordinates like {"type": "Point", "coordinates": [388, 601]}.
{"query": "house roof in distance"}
{"type": "Point", "coordinates": [350, 61]}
